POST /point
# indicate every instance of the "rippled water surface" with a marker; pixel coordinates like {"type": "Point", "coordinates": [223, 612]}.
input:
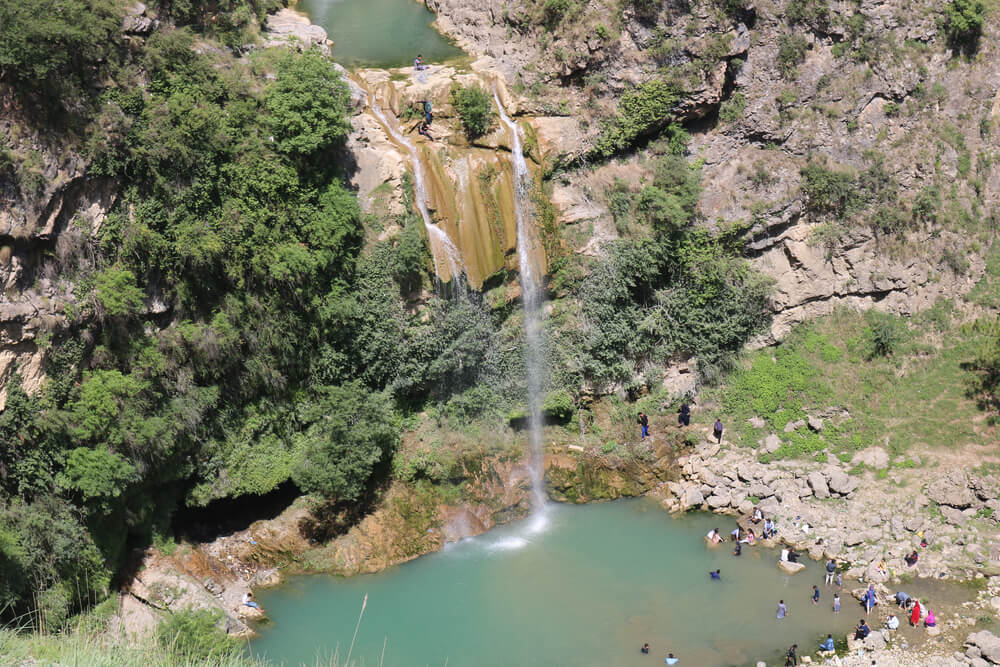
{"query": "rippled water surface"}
{"type": "Point", "coordinates": [379, 33]}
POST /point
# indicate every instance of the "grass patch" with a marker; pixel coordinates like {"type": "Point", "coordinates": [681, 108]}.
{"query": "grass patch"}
{"type": "Point", "coordinates": [916, 397]}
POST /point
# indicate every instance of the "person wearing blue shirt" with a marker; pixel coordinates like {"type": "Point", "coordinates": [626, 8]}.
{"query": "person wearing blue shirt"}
{"type": "Point", "coordinates": [670, 659]}
{"type": "Point", "coordinates": [826, 645]}
{"type": "Point", "coordinates": [716, 575]}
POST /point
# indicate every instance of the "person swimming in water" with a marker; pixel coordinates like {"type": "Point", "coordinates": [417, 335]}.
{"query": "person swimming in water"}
{"type": "Point", "coordinates": [716, 575]}
{"type": "Point", "coordinates": [645, 648]}
{"type": "Point", "coordinates": [670, 659]}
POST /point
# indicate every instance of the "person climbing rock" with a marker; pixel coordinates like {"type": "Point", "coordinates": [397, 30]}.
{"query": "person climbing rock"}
{"type": "Point", "coordinates": [422, 129]}
{"type": "Point", "coordinates": [684, 415]}
{"type": "Point", "coordinates": [644, 425]}
{"type": "Point", "coordinates": [428, 116]}
{"type": "Point", "coordinates": [717, 431]}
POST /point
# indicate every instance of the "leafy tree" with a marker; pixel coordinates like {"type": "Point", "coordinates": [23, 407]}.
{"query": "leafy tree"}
{"type": "Point", "coordinates": [116, 292]}
{"type": "Point", "coordinates": [828, 191]}
{"type": "Point", "coordinates": [96, 474]}
{"type": "Point", "coordinates": [350, 431]}
{"type": "Point", "coordinates": [307, 104]}
{"type": "Point", "coordinates": [55, 47]}
{"type": "Point", "coordinates": [884, 334]}
{"type": "Point", "coordinates": [963, 21]}
{"type": "Point", "coordinates": [474, 107]}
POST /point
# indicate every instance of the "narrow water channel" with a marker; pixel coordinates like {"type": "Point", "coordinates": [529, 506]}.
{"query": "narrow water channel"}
{"type": "Point", "coordinates": [590, 590]}
{"type": "Point", "coordinates": [379, 33]}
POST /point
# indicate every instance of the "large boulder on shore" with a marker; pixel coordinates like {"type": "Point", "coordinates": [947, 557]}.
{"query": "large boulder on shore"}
{"type": "Point", "coordinates": [988, 645]}
{"type": "Point", "coordinates": [952, 489]}
{"type": "Point", "coordinates": [841, 483]}
{"type": "Point", "coordinates": [692, 497]}
{"type": "Point", "coordinates": [818, 485]}
{"type": "Point", "coordinates": [790, 568]}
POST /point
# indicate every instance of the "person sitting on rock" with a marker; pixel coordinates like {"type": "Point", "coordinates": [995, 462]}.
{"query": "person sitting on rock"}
{"type": "Point", "coordinates": [757, 517]}
{"type": "Point", "coordinates": [418, 63]}
{"type": "Point", "coordinates": [422, 129]}
{"type": "Point", "coordinates": [249, 601]}
{"type": "Point", "coordinates": [734, 535]}
{"type": "Point", "coordinates": [792, 556]}
{"type": "Point", "coordinates": [862, 630]}
{"type": "Point", "coordinates": [827, 644]}
{"type": "Point", "coordinates": [769, 530]}
{"type": "Point", "coordinates": [911, 560]}
{"type": "Point", "coordinates": [931, 620]}
{"type": "Point", "coordinates": [902, 599]}
{"type": "Point", "coordinates": [892, 623]}
{"type": "Point", "coordinates": [750, 538]}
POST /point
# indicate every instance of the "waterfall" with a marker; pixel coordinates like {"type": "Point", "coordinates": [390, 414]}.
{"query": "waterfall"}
{"type": "Point", "coordinates": [531, 297]}
{"type": "Point", "coordinates": [444, 251]}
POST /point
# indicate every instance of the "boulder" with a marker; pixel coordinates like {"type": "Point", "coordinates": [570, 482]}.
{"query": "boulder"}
{"type": "Point", "coordinates": [987, 643]}
{"type": "Point", "coordinates": [772, 443]}
{"type": "Point", "coordinates": [692, 497]}
{"type": "Point", "coordinates": [717, 501]}
{"type": "Point", "coordinates": [795, 425]}
{"type": "Point", "coordinates": [952, 489]}
{"type": "Point", "coordinates": [818, 485]}
{"type": "Point", "coordinates": [873, 457]}
{"type": "Point", "coordinates": [841, 483]}
{"type": "Point", "coordinates": [790, 568]}
{"type": "Point", "coordinates": [875, 642]}
{"type": "Point", "coordinates": [952, 515]}
{"type": "Point", "coordinates": [815, 424]}
{"type": "Point", "coordinates": [757, 422]}
{"type": "Point", "coordinates": [933, 631]}
{"type": "Point", "coordinates": [761, 490]}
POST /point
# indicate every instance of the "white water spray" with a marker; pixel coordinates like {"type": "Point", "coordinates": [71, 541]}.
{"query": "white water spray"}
{"type": "Point", "coordinates": [531, 297]}
{"type": "Point", "coordinates": [446, 254]}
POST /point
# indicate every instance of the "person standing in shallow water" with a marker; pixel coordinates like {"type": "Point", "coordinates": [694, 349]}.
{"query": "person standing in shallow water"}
{"type": "Point", "coordinates": [717, 431]}
{"type": "Point", "coordinates": [782, 609]}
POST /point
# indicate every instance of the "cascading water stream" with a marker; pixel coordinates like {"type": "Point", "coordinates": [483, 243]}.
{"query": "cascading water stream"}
{"type": "Point", "coordinates": [531, 297]}
{"type": "Point", "coordinates": [442, 248]}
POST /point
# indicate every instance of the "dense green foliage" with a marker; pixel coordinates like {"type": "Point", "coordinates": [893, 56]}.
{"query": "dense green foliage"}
{"type": "Point", "coordinates": [231, 333]}
{"type": "Point", "coordinates": [677, 293]}
{"type": "Point", "coordinates": [192, 636]}
{"type": "Point", "coordinates": [475, 109]}
{"type": "Point", "coordinates": [963, 22]}
{"type": "Point", "coordinates": [791, 52]}
{"type": "Point", "coordinates": [641, 111]}
{"type": "Point", "coordinates": [55, 48]}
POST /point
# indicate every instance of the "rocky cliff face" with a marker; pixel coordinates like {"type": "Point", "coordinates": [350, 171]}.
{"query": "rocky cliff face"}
{"type": "Point", "coordinates": [869, 92]}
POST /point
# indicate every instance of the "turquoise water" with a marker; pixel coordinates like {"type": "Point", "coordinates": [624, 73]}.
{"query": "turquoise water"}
{"type": "Point", "coordinates": [379, 33]}
{"type": "Point", "coordinates": [590, 589]}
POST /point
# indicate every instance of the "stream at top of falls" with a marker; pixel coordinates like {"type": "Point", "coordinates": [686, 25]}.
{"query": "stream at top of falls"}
{"type": "Point", "coordinates": [596, 584]}
{"type": "Point", "coordinates": [379, 33]}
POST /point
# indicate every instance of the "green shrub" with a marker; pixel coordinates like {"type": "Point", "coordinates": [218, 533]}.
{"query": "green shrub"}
{"type": "Point", "coordinates": [558, 405]}
{"type": "Point", "coordinates": [474, 107]}
{"type": "Point", "coordinates": [963, 21]}
{"type": "Point", "coordinates": [815, 12]}
{"type": "Point", "coordinates": [791, 52]}
{"type": "Point", "coordinates": [194, 635]}
{"type": "Point", "coordinates": [828, 191]}
{"type": "Point", "coordinates": [641, 110]}
{"type": "Point", "coordinates": [884, 334]}
{"type": "Point", "coordinates": [731, 110]}
{"type": "Point", "coordinates": [554, 10]}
